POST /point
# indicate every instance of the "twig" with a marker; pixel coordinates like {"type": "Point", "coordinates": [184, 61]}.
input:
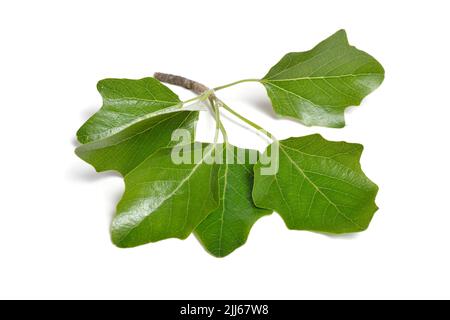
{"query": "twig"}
{"type": "Point", "coordinates": [194, 86]}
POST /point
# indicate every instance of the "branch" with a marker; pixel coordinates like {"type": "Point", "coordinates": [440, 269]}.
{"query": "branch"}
{"type": "Point", "coordinates": [183, 82]}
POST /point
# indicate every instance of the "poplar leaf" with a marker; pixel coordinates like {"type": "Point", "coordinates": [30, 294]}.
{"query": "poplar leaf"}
{"type": "Point", "coordinates": [316, 86]}
{"type": "Point", "coordinates": [126, 102]}
{"type": "Point", "coordinates": [164, 199]}
{"type": "Point", "coordinates": [138, 117]}
{"type": "Point", "coordinates": [319, 186]}
{"type": "Point", "coordinates": [227, 227]}
{"type": "Point", "coordinates": [126, 149]}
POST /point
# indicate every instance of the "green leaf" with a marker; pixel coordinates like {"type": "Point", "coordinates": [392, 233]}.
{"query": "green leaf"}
{"type": "Point", "coordinates": [317, 86]}
{"type": "Point", "coordinates": [319, 186]}
{"type": "Point", "coordinates": [164, 200]}
{"type": "Point", "coordinates": [138, 117]}
{"type": "Point", "coordinates": [227, 227]}
{"type": "Point", "coordinates": [126, 149]}
{"type": "Point", "coordinates": [126, 102]}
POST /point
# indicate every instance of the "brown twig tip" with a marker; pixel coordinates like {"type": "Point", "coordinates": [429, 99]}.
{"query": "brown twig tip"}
{"type": "Point", "coordinates": [183, 82]}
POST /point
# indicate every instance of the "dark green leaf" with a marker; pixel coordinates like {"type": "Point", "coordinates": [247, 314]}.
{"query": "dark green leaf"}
{"type": "Point", "coordinates": [319, 186]}
{"type": "Point", "coordinates": [126, 102]}
{"type": "Point", "coordinates": [126, 149]}
{"type": "Point", "coordinates": [317, 86]}
{"type": "Point", "coordinates": [138, 117]}
{"type": "Point", "coordinates": [227, 227]}
{"type": "Point", "coordinates": [165, 200]}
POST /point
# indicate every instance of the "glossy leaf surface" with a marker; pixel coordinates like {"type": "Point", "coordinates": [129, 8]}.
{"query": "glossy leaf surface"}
{"type": "Point", "coordinates": [165, 200]}
{"type": "Point", "coordinates": [319, 186]}
{"type": "Point", "coordinates": [227, 227]}
{"type": "Point", "coordinates": [125, 102]}
{"type": "Point", "coordinates": [126, 149]}
{"type": "Point", "coordinates": [316, 86]}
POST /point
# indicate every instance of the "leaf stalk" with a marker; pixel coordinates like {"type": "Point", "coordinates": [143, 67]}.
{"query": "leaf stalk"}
{"type": "Point", "coordinates": [204, 93]}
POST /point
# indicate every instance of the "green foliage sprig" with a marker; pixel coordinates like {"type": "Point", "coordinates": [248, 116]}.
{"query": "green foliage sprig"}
{"type": "Point", "coordinates": [318, 185]}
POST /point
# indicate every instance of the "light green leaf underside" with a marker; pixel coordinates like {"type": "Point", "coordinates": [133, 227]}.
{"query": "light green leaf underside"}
{"type": "Point", "coordinates": [165, 200]}
{"type": "Point", "coordinates": [319, 186]}
{"type": "Point", "coordinates": [126, 102]}
{"type": "Point", "coordinates": [317, 86]}
{"type": "Point", "coordinates": [227, 227]}
{"type": "Point", "coordinates": [126, 149]}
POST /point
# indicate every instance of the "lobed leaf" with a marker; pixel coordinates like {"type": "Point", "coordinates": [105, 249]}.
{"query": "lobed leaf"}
{"type": "Point", "coordinates": [319, 186]}
{"type": "Point", "coordinates": [126, 149]}
{"type": "Point", "coordinates": [126, 102]}
{"type": "Point", "coordinates": [227, 227]}
{"type": "Point", "coordinates": [165, 200]}
{"type": "Point", "coordinates": [138, 117]}
{"type": "Point", "coordinates": [316, 86]}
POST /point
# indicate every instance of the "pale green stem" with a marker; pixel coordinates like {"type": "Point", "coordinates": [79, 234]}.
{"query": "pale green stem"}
{"type": "Point", "coordinates": [205, 93]}
{"type": "Point", "coordinates": [222, 129]}
{"type": "Point", "coordinates": [221, 126]}
{"type": "Point", "coordinates": [247, 121]}
{"type": "Point", "coordinates": [217, 119]}
{"type": "Point", "coordinates": [235, 83]}
{"type": "Point", "coordinates": [201, 97]}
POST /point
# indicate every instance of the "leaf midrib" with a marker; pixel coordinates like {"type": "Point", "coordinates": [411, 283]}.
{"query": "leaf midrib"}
{"type": "Point", "coordinates": [185, 119]}
{"type": "Point", "coordinates": [135, 121]}
{"type": "Point", "coordinates": [322, 77]}
{"type": "Point", "coordinates": [111, 101]}
{"type": "Point", "coordinates": [128, 137]}
{"type": "Point", "coordinates": [182, 182]}
{"type": "Point", "coordinates": [222, 217]}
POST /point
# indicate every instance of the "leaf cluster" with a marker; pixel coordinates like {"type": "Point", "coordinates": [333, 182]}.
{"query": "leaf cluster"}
{"type": "Point", "coordinates": [318, 185]}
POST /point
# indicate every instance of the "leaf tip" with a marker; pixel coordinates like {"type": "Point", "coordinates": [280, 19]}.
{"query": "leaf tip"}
{"type": "Point", "coordinates": [118, 239]}
{"type": "Point", "coordinates": [218, 255]}
{"type": "Point", "coordinates": [338, 125]}
{"type": "Point", "coordinates": [341, 34]}
{"type": "Point", "coordinates": [120, 244]}
{"type": "Point", "coordinates": [101, 85]}
{"type": "Point", "coordinates": [77, 152]}
{"type": "Point", "coordinates": [81, 136]}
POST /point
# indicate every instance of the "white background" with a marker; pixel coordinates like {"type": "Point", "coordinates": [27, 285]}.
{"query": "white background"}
{"type": "Point", "coordinates": [55, 210]}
